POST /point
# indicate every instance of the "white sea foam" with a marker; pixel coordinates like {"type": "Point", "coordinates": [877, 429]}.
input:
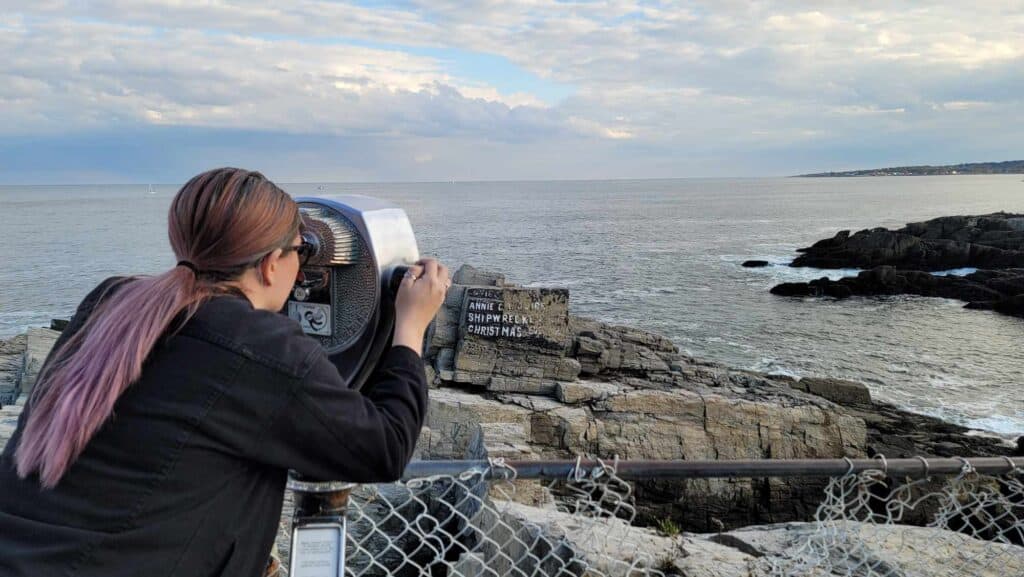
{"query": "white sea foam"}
{"type": "Point", "coordinates": [779, 270]}
{"type": "Point", "coordinates": [1004, 426]}
{"type": "Point", "coordinates": [816, 273]}
{"type": "Point", "coordinates": [774, 367]}
{"type": "Point", "coordinates": [557, 282]}
{"type": "Point", "coordinates": [956, 272]}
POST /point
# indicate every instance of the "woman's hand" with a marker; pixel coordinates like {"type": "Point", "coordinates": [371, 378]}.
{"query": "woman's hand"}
{"type": "Point", "coordinates": [419, 296]}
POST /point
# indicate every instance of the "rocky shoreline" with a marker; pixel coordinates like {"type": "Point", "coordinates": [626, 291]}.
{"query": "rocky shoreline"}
{"type": "Point", "coordinates": [901, 262]}
{"type": "Point", "coordinates": [591, 371]}
{"type": "Point", "coordinates": [530, 381]}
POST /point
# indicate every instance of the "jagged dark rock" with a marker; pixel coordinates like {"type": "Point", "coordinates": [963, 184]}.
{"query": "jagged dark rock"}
{"type": "Point", "coordinates": [999, 290]}
{"type": "Point", "coordinates": [900, 262]}
{"type": "Point", "coordinates": [990, 241]}
{"type": "Point", "coordinates": [1010, 305]}
{"type": "Point", "coordinates": [838, 391]}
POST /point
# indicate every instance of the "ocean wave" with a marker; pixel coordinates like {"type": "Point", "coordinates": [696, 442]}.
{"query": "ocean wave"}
{"type": "Point", "coordinates": [13, 323]}
{"type": "Point", "coordinates": [642, 292]}
{"type": "Point", "coordinates": [779, 270]}
{"type": "Point", "coordinates": [557, 283]}
{"type": "Point", "coordinates": [1007, 427]}
{"type": "Point", "coordinates": [784, 273]}
{"type": "Point", "coordinates": [778, 265]}
{"type": "Point", "coordinates": [774, 367]}
{"type": "Point", "coordinates": [808, 274]}
{"type": "Point", "coordinates": [25, 314]}
{"type": "Point", "coordinates": [955, 272]}
{"type": "Point", "coordinates": [1004, 426]}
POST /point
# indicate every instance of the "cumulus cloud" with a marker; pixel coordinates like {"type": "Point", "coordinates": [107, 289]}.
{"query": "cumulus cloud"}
{"type": "Point", "coordinates": [643, 82]}
{"type": "Point", "coordinates": [66, 74]}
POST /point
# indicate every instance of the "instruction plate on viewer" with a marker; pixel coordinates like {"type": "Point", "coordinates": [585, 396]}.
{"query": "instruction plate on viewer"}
{"type": "Point", "coordinates": [315, 318]}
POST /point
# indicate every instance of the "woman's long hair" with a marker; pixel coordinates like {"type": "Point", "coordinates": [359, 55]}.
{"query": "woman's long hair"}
{"type": "Point", "coordinates": [223, 222]}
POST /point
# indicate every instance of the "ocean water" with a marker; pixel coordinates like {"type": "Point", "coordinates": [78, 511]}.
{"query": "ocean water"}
{"type": "Point", "coordinates": [659, 254]}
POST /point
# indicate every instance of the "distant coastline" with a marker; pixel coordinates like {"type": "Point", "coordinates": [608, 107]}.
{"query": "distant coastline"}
{"type": "Point", "coordinates": [1005, 167]}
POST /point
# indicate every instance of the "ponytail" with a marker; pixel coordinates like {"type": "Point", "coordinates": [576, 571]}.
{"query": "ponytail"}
{"type": "Point", "coordinates": [79, 386]}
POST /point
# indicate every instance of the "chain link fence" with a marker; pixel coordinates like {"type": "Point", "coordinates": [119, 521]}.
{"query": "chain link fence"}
{"type": "Point", "coordinates": [466, 518]}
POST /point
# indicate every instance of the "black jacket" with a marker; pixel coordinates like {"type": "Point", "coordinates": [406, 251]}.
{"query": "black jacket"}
{"type": "Point", "coordinates": [188, 476]}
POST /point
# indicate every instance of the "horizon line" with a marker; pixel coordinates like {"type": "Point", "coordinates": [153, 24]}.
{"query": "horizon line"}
{"type": "Point", "coordinates": [499, 181]}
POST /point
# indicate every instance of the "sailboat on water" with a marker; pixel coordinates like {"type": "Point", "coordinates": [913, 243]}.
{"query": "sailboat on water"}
{"type": "Point", "coordinates": [151, 191]}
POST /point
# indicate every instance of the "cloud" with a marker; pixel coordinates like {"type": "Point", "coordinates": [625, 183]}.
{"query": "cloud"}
{"type": "Point", "coordinates": [800, 22]}
{"type": "Point", "coordinates": [97, 74]}
{"type": "Point", "coordinates": [961, 105]}
{"type": "Point", "coordinates": [858, 110]}
{"type": "Point", "coordinates": [644, 84]}
{"type": "Point", "coordinates": [592, 128]}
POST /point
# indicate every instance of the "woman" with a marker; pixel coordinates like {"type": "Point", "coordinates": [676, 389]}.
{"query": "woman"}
{"type": "Point", "coordinates": [158, 437]}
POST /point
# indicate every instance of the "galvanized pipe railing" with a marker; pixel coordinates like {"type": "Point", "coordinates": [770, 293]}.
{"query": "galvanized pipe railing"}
{"type": "Point", "coordinates": [746, 468]}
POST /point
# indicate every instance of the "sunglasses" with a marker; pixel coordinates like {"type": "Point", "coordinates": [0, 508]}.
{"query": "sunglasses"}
{"type": "Point", "coordinates": [305, 250]}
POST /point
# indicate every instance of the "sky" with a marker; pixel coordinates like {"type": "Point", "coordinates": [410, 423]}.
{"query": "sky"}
{"type": "Point", "coordinates": [155, 91]}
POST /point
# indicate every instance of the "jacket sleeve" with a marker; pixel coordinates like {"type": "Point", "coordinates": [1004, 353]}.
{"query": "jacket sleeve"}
{"type": "Point", "coordinates": [327, 431]}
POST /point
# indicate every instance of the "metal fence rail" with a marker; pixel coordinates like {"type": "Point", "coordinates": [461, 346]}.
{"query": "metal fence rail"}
{"type": "Point", "coordinates": [464, 518]}
{"type": "Point", "coordinates": [666, 469]}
